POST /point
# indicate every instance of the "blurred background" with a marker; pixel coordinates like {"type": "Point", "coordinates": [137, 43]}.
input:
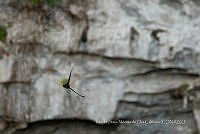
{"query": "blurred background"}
{"type": "Point", "coordinates": [136, 62]}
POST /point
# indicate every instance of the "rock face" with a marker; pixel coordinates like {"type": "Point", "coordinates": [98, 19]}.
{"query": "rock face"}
{"type": "Point", "coordinates": [134, 60]}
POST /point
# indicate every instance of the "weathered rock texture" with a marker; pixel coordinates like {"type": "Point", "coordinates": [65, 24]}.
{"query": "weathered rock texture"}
{"type": "Point", "coordinates": [134, 60]}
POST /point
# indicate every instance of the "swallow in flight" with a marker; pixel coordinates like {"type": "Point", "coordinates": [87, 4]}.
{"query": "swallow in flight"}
{"type": "Point", "coordinates": [66, 85]}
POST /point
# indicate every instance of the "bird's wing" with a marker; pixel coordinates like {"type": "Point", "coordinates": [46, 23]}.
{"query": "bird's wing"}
{"type": "Point", "coordinates": [69, 76]}
{"type": "Point", "coordinates": [76, 92]}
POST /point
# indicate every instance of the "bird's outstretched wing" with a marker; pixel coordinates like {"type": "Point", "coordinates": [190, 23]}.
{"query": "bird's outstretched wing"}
{"type": "Point", "coordinates": [68, 86]}
{"type": "Point", "coordinates": [76, 92]}
{"type": "Point", "coordinates": [69, 77]}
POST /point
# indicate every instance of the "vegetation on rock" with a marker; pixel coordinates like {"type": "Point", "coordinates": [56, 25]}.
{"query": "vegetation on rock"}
{"type": "Point", "coordinates": [3, 33]}
{"type": "Point", "coordinates": [49, 2]}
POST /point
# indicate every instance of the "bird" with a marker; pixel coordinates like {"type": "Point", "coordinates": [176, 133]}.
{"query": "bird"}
{"type": "Point", "coordinates": [66, 84]}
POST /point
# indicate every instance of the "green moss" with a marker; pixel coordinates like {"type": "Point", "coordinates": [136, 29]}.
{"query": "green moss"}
{"type": "Point", "coordinates": [36, 1]}
{"type": "Point", "coordinates": [3, 33]}
{"type": "Point", "coordinates": [49, 2]}
{"type": "Point", "coordinates": [184, 87]}
{"type": "Point", "coordinates": [54, 2]}
{"type": "Point", "coordinates": [180, 91]}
